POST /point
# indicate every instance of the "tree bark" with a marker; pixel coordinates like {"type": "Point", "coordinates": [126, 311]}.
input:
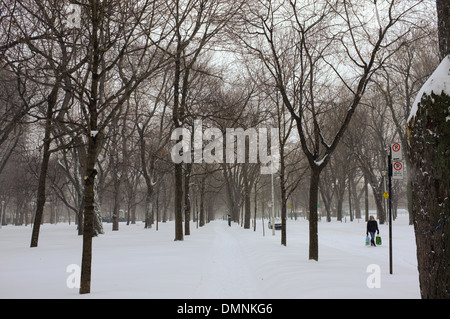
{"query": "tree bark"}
{"type": "Point", "coordinates": [187, 199]}
{"type": "Point", "coordinates": [88, 227]}
{"type": "Point", "coordinates": [443, 13]}
{"type": "Point", "coordinates": [202, 203]}
{"type": "Point", "coordinates": [313, 214]}
{"type": "Point", "coordinates": [247, 190]}
{"type": "Point", "coordinates": [41, 198]}
{"type": "Point", "coordinates": [283, 198]}
{"type": "Point", "coordinates": [91, 172]}
{"type": "Point", "coordinates": [178, 118]}
{"type": "Point", "coordinates": [429, 147]}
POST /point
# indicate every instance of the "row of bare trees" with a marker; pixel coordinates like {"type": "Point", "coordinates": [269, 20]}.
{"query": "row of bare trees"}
{"type": "Point", "coordinates": [91, 91]}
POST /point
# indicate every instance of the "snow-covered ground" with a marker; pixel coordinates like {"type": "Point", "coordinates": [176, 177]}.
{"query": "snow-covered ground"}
{"type": "Point", "coordinates": [215, 261]}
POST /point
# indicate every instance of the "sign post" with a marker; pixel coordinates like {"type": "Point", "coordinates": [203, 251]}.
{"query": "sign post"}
{"type": "Point", "coordinates": [395, 169]}
{"type": "Point", "coordinates": [390, 208]}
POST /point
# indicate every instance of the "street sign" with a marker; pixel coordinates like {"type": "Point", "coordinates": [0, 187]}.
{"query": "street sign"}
{"type": "Point", "coordinates": [397, 170]}
{"type": "Point", "coordinates": [396, 152]}
{"type": "Point", "coordinates": [386, 195]}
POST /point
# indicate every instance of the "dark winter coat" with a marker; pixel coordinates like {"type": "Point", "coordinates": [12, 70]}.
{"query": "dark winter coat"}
{"type": "Point", "coordinates": [372, 226]}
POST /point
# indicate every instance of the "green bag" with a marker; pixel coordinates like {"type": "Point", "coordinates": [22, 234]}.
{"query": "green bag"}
{"type": "Point", "coordinates": [378, 240]}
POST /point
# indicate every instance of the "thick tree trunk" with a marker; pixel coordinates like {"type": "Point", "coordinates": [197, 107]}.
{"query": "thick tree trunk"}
{"type": "Point", "coordinates": [148, 207]}
{"type": "Point", "coordinates": [313, 214]}
{"type": "Point", "coordinates": [443, 13]}
{"type": "Point", "coordinates": [88, 227]}
{"type": "Point", "coordinates": [429, 142]}
{"type": "Point", "coordinates": [91, 157]}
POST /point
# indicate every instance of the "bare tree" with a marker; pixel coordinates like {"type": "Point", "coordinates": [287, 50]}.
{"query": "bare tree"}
{"type": "Point", "coordinates": [153, 126]}
{"type": "Point", "coordinates": [318, 43]}
{"type": "Point", "coordinates": [117, 32]}
{"type": "Point", "coordinates": [195, 23]}
{"type": "Point", "coordinates": [36, 50]}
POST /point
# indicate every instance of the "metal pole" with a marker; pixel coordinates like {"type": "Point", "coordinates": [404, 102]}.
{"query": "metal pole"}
{"type": "Point", "coordinates": [390, 209]}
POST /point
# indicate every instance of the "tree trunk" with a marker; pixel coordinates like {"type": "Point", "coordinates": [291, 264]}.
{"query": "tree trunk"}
{"type": "Point", "coordinates": [340, 201]}
{"type": "Point", "coordinates": [283, 202]}
{"type": "Point", "coordinates": [366, 198]}
{"type": "Point", "coordinates": [80, 216]}
{"type": "Point", "coordinates": [247, 191]}
{"type": "Point", "coordinates": [429, 147]}
{"type": "Point", "coordinates": [98, 223]}
{"type": "Point", "coordinates": [326, 200]}
{"type": "Point", "coordinates": [178, 118]}
{"type": "Point", "coordinates": [202, 203]}
{"type": "Point", "coordinates": [148, 207]}
{"type": "Point", "coordinates": [313, 215]}
{"type": "Point", "coordinates": [88, 227]}
{"type": "Point", "coordinates": [187, 199]}
{"type": "Point", "coordinates": [381, 215]}
{"type": "Point", "coordinates": [350, 198]}
{"type": "Point", "coordinates": [443, 13]}
{"type": "Point", "coordinates": [117, 201]}
{"type": "Point", "coordinates": [256, 206]}
{"type": "Point", "coordinates": [91, 172]}
{"type": "Point", "coordinates": [44, 167]}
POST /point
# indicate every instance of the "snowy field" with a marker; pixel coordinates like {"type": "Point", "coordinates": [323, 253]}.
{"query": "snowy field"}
{"type": "Point", "coordinates": [215, 261]}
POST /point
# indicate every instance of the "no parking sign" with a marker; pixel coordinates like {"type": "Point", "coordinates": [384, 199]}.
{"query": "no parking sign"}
{"type": "Point", "coordinates": [397, 170]}
{"type": "Point", "coordinates": [396, 151]}
{"type": "Point", "coordinates": [397, 165]}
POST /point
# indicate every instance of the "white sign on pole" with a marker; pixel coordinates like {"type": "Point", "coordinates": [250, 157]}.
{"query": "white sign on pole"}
{"type": "Point", "coordinates": [397, 170]}
{"type": "Point", "coordinates": [396, 152]}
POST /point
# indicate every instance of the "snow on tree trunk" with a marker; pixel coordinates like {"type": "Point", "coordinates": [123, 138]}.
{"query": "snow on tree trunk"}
{"type": "Point", "coordinates": [429, 147]}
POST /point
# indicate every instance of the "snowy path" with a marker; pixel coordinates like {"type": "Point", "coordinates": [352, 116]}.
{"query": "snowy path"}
{"type": "Point", "coordinates": [226, 271]}
{"type": "Point", "coordinates": [214, 262]}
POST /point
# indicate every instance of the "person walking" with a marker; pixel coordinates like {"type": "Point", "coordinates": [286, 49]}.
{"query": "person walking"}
{"type": "Point", "coordinates": [372, 227]}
